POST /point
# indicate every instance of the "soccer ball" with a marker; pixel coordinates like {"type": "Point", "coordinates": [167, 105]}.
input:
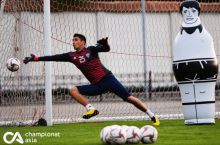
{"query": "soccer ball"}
{"type": "Point", "coordinates": [125, 127]}
{"type": "Point", "coordinates": [149, 134]}
{"type": "Point", "coordinates": [105, 135]}
{"type": "Point", "coordinates": [133, 135]}
{"type": "Point", "coordinates": [118, 135]}
{"type": "Point", "coordinates": [114, 134]}
{"type": "Point", "coordinates": [13, 64]}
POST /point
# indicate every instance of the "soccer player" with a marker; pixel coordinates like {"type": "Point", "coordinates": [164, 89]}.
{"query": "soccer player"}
{"type": "Point", "coordinates": [102, 80]}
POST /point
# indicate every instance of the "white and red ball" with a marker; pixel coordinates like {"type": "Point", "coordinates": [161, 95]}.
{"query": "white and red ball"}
{"type": "Point", "coordinates": [118, 135]}
{"type": "Point", "coordinates": [133, 135]}
{"type": "Point", "coordinates": [105, 135]}
{"type": "Point", "coordinates": [13, 64]}
{"type": "Point", "coordinates": [149, 134]}
{"type": "Point", "coordinates": [114, 134]}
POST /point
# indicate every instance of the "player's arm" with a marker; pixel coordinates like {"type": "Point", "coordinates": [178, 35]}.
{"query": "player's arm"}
{"type": "Point", "coordinates": [102, 46]}
{"type": "Point", "coordinates": [59, 57]}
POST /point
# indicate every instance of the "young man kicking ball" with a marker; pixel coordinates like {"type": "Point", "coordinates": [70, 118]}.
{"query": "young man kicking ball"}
{"type": "Point", "coordinates": [102, 80]}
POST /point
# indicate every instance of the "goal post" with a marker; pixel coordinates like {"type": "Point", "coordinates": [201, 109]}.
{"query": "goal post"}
{"type": "Point", "coordinates": [140, 33]}
{"type": "Point", "coordinates": [48, 65]}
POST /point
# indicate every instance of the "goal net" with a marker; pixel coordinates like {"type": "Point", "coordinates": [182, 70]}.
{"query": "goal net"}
{"type": "Point", "coordinates": [140, 33]}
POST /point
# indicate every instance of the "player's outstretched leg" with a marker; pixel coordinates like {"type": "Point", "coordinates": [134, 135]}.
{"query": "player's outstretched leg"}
{"type": "Point", "coordinates": [91, 111]}
{"type": "Point", "coordinates": [140, 105]}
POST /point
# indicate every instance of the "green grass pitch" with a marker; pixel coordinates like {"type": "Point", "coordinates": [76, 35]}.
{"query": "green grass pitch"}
{"type": "Point", "coordinates": [171, 132]}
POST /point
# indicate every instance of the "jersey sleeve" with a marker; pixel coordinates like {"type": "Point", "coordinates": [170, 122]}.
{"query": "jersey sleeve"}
{"type": "Point", "coordinates": [65, 57]}
{"type": "Point", "coordinates": [99, 48]}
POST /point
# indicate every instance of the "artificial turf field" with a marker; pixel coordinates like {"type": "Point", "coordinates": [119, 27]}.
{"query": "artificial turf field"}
{"type": "Point", "coordinates": [171, 132]}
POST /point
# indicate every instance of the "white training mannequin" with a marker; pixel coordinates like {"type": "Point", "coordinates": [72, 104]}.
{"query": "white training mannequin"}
{"type": "Point", "coordinates": [195, 66]}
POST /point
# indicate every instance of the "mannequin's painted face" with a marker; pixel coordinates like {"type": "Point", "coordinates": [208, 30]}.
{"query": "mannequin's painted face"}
{"type": "Point", "coordinates": [190, 15]}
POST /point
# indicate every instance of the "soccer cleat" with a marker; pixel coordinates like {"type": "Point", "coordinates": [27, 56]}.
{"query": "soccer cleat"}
{"type": "Point", "coordinates": [90, 113]}
{"type": "Point", "coordinates": [155, 121]}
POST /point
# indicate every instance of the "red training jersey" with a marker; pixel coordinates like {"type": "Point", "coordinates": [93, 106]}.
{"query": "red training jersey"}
{"type": "Point", "coordinates": [87, 61]}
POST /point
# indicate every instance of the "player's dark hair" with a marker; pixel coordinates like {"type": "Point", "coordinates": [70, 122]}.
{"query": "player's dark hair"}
{"type": "Point", "coordinates": [190, 4]}
{"type": "Point", "coordinates": [82, 37]}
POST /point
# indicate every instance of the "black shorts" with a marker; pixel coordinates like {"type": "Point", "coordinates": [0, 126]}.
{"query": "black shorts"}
{"type": "Point", "coordinates": [107, 84]}
{"type": "Point", "coordinates": [199, 70]}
